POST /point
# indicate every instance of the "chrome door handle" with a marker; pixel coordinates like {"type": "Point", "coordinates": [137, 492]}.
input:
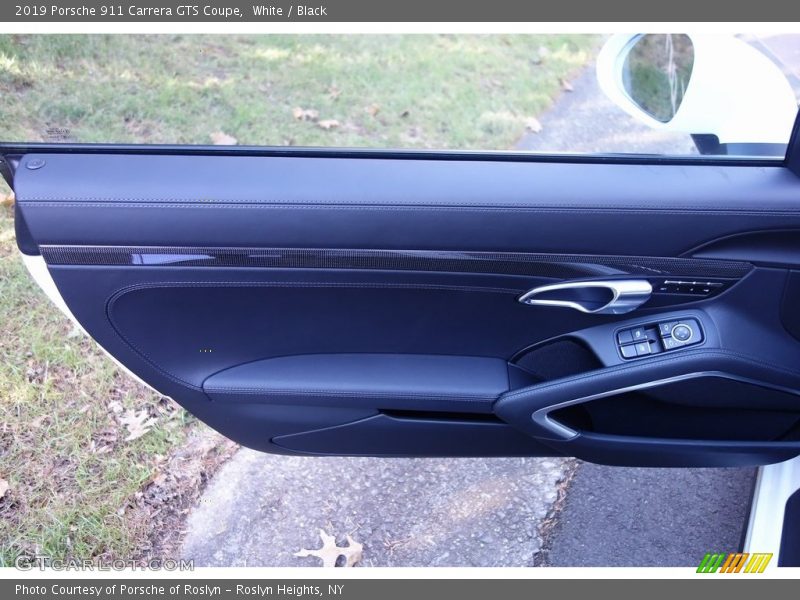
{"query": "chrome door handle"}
{"type": "Point", "coordinates": [612, 297]}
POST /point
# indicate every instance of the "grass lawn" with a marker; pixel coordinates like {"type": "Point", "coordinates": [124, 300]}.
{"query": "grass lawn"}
{"type": "Point", "coordinates": [404, 91]}
{"type": "Point", "coordinates": [62, 448]}
{"type": "Point", "coordinates": [76, 485]}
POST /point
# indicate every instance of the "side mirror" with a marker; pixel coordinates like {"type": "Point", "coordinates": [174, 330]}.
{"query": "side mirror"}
{"type": "Point", "coordinates": [705, 85]}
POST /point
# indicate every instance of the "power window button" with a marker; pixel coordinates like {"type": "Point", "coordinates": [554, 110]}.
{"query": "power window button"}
{"type": "Point", "coordinates": [638, 334]}
{"type": "Point", "coordinates": [624, 337]}
{"type": "Point", "coordinates": [642, 348]}
{"type": "Point", "coordinates": [628, 351]}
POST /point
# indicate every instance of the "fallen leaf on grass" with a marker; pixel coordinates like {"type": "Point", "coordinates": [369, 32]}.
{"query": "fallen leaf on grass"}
{"type": "Point", "coordinates": [328, 124]}
{"type": "Point", "coordinates": [39, 421]}
{"type": "Point", "coordinates": [219, 138]}
{"type": "Point", "coordinates": [373, 109]}
{"type": "Point", "coordinates": [7, 199]}
{"type": "Point", "coordinates": [75, 332]}
{"type": "Point", "coordinates": [533, 124]}
{"type": "Point", "coordinates": [137, 423]}
{"type": "Point", "coordinates": [334, 92]}
{"type": "Point", "coordinates": [330, 552]}
{"type": "Point", "coordinates": [103, 440]}
{"type": "Point", "coordinates": [4, 488]}
{"type": "Point", "coordinates": [305, 114]}
{"type": "Point", "coordinates": [566, 86]}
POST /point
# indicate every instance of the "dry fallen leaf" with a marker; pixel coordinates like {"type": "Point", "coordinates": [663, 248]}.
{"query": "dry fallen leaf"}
{"type": "Point", "coordinates": [4, 489]}
{"type": "Point", "coordinates": [305, 114]}
{"type": "Point", "coordinates": [330, 552]}
{"type": "Point", "coordinates": [532, 124]}
{"type": "Point", "coordinates": [566, 86]}
{"type": "Point", "coordinates": [328, 123]}
{"type": "Point", "coordinates": [373, 109]}
{"type": "Point", "coordinates": [334, 92]}
{"type": "Point", "coordinates": [39, 421]}
{"type": "Point", "coordinates": [7, 200]}
{"type": "Point", "coordinates": [219, 138]}
{"type": "Point", "coordinates": [137, 423]}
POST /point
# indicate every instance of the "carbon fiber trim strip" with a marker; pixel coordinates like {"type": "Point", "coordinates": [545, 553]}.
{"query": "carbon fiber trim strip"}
{"type": "Point", "coordinates": [504, 263]}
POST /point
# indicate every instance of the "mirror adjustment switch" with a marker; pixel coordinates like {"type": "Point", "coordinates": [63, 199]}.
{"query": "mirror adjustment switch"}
{"type": "Point", "coordinates": [682, 332]}
{"type": "Point", "coordinates": [677, 334]}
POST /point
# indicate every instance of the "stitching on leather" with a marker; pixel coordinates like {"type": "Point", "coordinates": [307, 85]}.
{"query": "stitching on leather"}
{"type": "Point", "coordinates": [465, 207]}
{"type": "Point", "coordinates": [657, 361]}
{"type": "Point", "coordinates": [277, 284]}
{"type": "Point", "coordinates": [117, 200]}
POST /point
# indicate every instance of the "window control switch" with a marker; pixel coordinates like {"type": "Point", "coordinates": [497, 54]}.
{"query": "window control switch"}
{"type": "Point", "coordinates": [624, 337]}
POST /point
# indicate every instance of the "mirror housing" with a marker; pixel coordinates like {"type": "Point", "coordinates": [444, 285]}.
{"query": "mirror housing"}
{"type": "Point", "coordinates": [734, 92]}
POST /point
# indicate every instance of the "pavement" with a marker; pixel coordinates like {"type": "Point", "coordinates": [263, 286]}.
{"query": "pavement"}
{"type": "Point", "coordinates": [635, 517]}
{"type": "Point", "coordinates": [260, 509]}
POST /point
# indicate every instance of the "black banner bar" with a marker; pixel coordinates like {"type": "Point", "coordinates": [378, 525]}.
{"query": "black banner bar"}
{"type": "Point", "coordinates": [732, 587]}
{"type": "Point", "coordinates": [243, 11]}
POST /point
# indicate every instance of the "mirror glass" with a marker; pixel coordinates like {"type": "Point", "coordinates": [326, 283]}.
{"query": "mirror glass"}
{"type": "Point", "coordinates": [656, 73]}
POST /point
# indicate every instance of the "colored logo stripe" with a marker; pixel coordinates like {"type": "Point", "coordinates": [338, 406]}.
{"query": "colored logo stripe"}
{"type": "Point", "coordinates": [710, 563]}
{"type": "Point", "coordinates": [757, 563]}
{"type": "Point", "coordinates": [734, 562]}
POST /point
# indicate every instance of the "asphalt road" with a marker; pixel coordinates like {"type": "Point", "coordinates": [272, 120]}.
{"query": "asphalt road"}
{"type": "Point", "coordinates": [261, 509]}
{"type": "Point", "coordinates": [624, 517]}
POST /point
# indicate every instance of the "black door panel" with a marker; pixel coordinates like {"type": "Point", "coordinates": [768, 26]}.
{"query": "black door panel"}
{"type": "Point", "coordinates": [199, 201]}
{"type": "Point", "coordinates": [369, 305]}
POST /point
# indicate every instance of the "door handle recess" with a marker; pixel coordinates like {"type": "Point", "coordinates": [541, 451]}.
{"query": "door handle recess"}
{"type": "Point", "coordinates": [612, 297]}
